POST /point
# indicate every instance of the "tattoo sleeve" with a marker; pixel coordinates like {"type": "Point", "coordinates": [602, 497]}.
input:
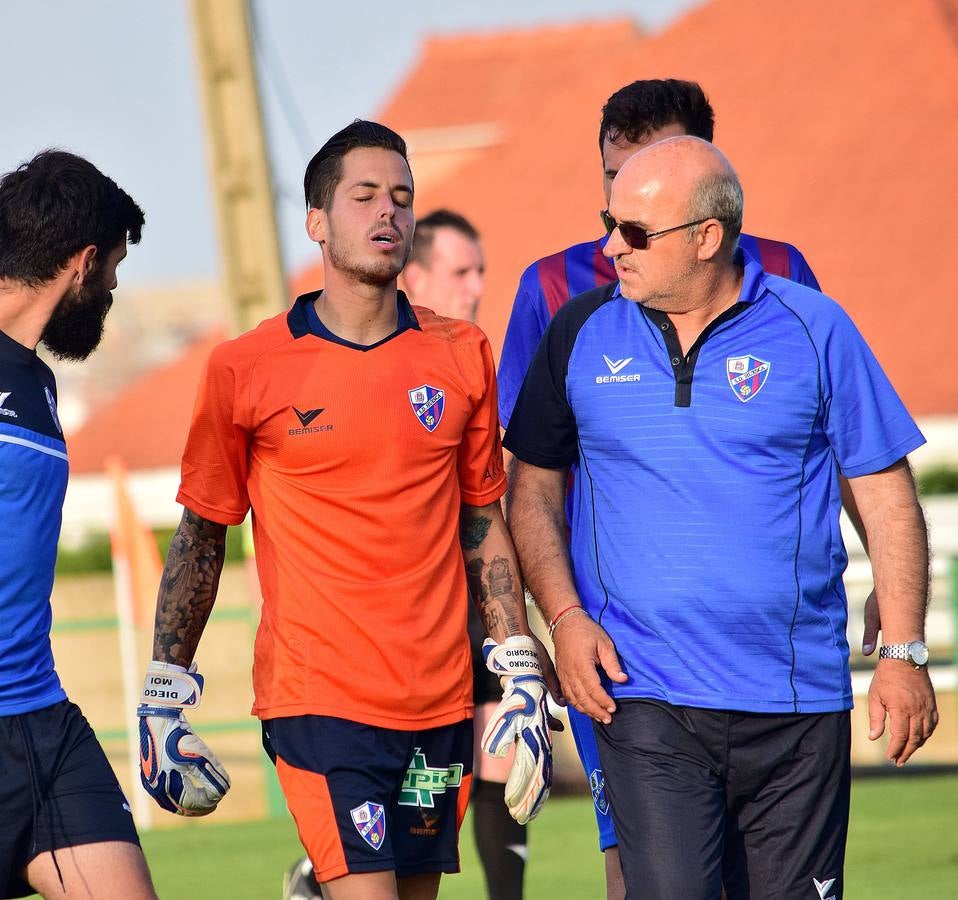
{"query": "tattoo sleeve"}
{"type": "Point", "coordinates": [492, 573]}
{"type": "Point", "coordinates": [473, 531]}
{"type": "Point", "coordinates": [188, 588]}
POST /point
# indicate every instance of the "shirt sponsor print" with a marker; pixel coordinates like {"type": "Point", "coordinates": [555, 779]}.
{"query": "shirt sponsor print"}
{"type": "Point", "coordinates": [428, 403]}
{"type": "Point", "coordinates": [370, 821]}
{"type": "Point", "coordinates": [746, 375]}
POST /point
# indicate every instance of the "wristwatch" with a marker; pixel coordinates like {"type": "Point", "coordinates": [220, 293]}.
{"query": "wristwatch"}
{"type": "Point", "coordinates": [915, 652]}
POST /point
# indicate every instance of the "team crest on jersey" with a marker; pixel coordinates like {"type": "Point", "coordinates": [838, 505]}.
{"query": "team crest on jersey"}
{"type": "Point", "coordinates": [370, 821]}
{"type": "Point", "coordinates": [746, 375]}
{"type": "Point", "coordinates": [428, 403]}
{"type": "Point", "coordinates": [597, 784]}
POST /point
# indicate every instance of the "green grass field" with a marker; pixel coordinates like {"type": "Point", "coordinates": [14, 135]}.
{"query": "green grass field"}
{"type": "Point", "coordinates": [903, 843]}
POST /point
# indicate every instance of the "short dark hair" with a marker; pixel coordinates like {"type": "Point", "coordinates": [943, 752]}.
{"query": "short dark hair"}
{"type": "Point", "coordinates": [326, 168]}
{"type": "Point", "coordinates": [55, 205]}
{"type": "Point", "coordinates": [427, 227]}
{"type": "Point", "coordinates": [635, 111]}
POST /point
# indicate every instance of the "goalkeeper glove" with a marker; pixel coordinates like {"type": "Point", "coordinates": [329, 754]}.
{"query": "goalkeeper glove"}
{"type": "Point", "coordinates": [177, 769]}
{"type": "Point", "coordinates": [522, 718]}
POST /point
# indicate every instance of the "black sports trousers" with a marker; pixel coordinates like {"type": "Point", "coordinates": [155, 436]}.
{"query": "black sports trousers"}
{"type": "Point", "coordinates": [703, 799]}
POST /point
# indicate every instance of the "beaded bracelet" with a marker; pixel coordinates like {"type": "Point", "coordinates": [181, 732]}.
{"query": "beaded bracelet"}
{"type": "Point", "coordinates": [568, 611]}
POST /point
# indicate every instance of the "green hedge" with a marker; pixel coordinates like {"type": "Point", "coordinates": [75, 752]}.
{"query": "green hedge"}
{"type": "Point", "coordinates": [93, 555]}
{"type": "Point", "coordinates": [939, 479]}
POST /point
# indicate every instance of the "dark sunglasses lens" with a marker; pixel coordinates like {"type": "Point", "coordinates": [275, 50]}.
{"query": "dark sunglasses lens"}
{"type": "Point", "coordinates": [637, 238]}
{"type": "Point", "coordinates": [608, 221]}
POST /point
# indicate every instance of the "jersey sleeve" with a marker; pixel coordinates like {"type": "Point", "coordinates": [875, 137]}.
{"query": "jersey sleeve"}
{"type": "Point", "coordinates": [866, 422]}
{"type": "Point", "coordinates": [482, 477]}
{"type": "Point", "coordinates": [527, 323]}
{"type": "Point", "coordinates": [214, 468]}
{"type": "Point", "coordinates": [800, 270]}
{"type": "Point", "coordinates": [542, 430]}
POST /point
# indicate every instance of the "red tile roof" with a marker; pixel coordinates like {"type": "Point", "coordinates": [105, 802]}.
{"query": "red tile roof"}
{"type": "Point", "coordinates": [840, 119]}
{"type": "Point", "coordinates": [145, 425]}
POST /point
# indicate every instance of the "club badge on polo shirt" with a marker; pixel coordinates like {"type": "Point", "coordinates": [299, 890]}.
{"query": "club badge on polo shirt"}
{"type": "Point", "coordinates": [428, 403]}
{"type": "Point", "coordinates": [370, 821]}
{"type": "Point", "coordinates": [746, 375]}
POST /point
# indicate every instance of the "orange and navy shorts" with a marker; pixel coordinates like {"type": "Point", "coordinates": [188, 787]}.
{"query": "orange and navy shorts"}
{"type": "Point", "coordinates": [370, 799]}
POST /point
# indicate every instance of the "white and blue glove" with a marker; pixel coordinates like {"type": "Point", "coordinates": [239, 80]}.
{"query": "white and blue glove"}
{"type": "Point", "coordinates": [521, 719]}
{"type": "Point", "coordinates": [177, 769]}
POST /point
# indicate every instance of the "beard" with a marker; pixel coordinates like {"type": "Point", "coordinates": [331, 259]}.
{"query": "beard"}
{"type": "Point", "coordinates": [76, 326]}
{"type": "Point", "coordinates": [376, 272]}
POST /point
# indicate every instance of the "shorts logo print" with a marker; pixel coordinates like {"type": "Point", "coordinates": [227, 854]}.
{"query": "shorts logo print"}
{"type": "Point", "coordinates": [428, 403]}
{"type": "Point", "coordinates": [370, 821]}
{"type": "Point", "coordinates": [746, 375]}
{"type": "Point", "coordinates": [823, 887]}
{"type": "Point", "coordinates": [421, 781]}
{"type": "Point", "coordinates": [430, 825]}
{"type": "Point", "coordinates": [597, 784]}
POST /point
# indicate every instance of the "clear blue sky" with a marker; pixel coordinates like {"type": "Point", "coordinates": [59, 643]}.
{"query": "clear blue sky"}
{"type": "Point", "coordinates": [115, 81]}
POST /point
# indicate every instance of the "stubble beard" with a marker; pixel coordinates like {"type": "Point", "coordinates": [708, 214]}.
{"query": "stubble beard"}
{"type": "Point", "coordinates": [671, 297]}
{"type": "Point", "coordinates": [372, 272]}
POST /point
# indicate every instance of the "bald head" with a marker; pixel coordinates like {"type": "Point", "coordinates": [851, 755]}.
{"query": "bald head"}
{"type": "Point", "coordinates": [686, 176]}
{"type": "Point", "coordinates": [683, 202]}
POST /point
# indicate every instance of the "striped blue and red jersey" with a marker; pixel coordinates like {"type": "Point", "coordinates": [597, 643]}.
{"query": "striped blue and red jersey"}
{"type": "Point", "coordinates": [549, 283]}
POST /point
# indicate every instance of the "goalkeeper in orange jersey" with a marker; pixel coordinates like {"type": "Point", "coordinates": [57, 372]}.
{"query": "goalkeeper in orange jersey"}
{"type": "Point", "coordinates": [362, 432]}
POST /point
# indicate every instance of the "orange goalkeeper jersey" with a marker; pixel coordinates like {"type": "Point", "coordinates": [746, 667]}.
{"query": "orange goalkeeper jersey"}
{"type": "Point", "coordinates": [354, 461]}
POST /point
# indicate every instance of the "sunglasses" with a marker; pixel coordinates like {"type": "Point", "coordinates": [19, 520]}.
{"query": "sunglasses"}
{"type": "Point", "coordinates": [635, 235]}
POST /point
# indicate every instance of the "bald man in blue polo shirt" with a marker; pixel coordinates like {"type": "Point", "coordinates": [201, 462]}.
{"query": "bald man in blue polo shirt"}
{"type": "Point", "coordinates": [710, 408]}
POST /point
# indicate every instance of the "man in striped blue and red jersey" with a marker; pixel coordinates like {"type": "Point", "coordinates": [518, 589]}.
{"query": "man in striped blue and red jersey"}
{"type": "Point", "coordinates": [635, 116]}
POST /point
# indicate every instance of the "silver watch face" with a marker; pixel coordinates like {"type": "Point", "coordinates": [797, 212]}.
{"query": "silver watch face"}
{"type": "Point", "coordinates": [918, 652]}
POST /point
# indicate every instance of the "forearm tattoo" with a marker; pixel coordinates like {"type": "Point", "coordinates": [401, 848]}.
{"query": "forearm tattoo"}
{"type": "Point", "coordinates": [477, 590]}
{"type": "Point", "coordinates": [499, 577]}
{"type": "Point", "coordinates": [188, 588]}
{"type": "Point", "coordinates": [473, 531]}
{"type": "Point", "coordinates": [492, 588]}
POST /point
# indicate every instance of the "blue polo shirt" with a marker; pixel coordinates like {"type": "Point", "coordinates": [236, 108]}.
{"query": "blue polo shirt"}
{"type": "Point", "coordinates": [705, 534]}
{"type": "Point", "coordinates": [33, 480]}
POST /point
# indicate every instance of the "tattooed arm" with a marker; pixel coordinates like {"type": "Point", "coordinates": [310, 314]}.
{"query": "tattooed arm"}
{"type": "Point", "coordinates": [492, 571]}
{"type": "Point", "coordinates": [188, 589]}
{"type": "Point", "coordinates": [495, 584]}
{"type": "Point", "coordinates": [521, 720]}
{"type": "Point", "coordinates": [178, 770]}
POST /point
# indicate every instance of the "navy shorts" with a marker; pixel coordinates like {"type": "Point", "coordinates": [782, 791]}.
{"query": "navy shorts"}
{"type": "Point", "coordinates": [370, 799]}
{"type": "Point", "coordinates": [57, 790]}
{"type": "Point", "coordinates": [705, 798]}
